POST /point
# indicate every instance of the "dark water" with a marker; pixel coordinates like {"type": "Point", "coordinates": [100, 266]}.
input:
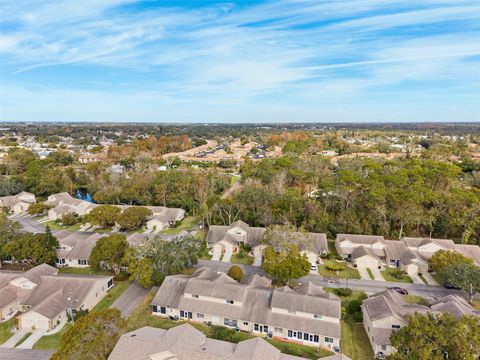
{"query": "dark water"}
{"type": "Point", "coordinates": [84, 195]}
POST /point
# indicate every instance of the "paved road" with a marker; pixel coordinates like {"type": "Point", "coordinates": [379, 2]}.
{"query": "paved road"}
{"type": "Point", "coordinates": [29, 223]}
{"type": "Point", "coordinates": [128, 301]}
{"type": "Point", "coordinates": [369, 286]}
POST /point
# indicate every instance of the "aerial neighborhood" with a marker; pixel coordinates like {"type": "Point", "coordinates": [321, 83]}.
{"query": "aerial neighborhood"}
{"type": "Point", "coordinates": [297, 254]}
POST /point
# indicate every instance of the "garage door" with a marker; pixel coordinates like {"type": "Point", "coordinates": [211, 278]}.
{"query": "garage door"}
{"type": "Point", "coordinates": [37, 323]}
{"type": "Point", "coordinates": [412, 269]}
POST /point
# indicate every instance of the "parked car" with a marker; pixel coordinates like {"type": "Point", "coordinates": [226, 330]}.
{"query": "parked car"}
{"type": "Point", "coordinates": [399, 290]}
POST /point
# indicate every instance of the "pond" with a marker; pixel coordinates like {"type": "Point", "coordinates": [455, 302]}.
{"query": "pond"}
{"type": "Point", "coordinates": [82, 194]}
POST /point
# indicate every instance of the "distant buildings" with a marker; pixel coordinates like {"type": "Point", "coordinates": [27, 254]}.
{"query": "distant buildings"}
{"type": "Point", "coordinates": [304, 315]}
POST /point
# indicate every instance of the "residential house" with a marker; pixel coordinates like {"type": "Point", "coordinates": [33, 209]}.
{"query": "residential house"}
{"type": "Point", "coordinates": [90, 158]}
{"type": "Point", "coordinates": [18, 203]}
{"type": "Point", "coordinates": [184, 342]}
{"type": "Point", "coordinates": [75, 247]}
{"type": "Point", "coordinates": [362, 250]}
{"type": "Point", "coordinates": [64, 203]}
{"type": "Point", "coordinates": [305, 315]}
{"type": "Point", "coordinates": [227, 240]}
{"type": "Point", "coordinates": [385, 312]}
{"type": "Point", "coordinates": [43, 296]}
{"type": "Point", "coordinates": [163, 217]}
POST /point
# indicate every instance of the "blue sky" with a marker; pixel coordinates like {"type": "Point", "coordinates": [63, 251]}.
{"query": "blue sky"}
{"type": "Point", "coordinates": [244, 61]}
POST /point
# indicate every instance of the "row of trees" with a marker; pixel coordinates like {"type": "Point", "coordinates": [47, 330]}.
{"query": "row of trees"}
{"type": "Point", "coordinates": [402, 197]}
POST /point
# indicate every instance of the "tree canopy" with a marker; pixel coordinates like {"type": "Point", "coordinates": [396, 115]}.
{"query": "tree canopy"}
{"type": "Point", "coordinates": [133, 217]}
{"type": "Point", "coordinates": [437, 337]}
{"type": "Point", "coordinates": [286, 264]}
{"type": "Point", "coordinates": [92, 336]}
{"type": "Point", "coordinates": [109, 251]}
{"type": "Point", "coordinates": [443, 258]}
{"type": "Point", "coordinates": [463, 276]}
{"type": "Point", "coordinates": [103, 215]}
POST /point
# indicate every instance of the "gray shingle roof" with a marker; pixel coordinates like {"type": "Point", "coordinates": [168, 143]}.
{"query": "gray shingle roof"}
{"type": "Point", "coordinates": [360, 239]}
{"type": "Point", "coordinates": [256, 301]}
{"type": "Point", "coordinates": [184, 342]}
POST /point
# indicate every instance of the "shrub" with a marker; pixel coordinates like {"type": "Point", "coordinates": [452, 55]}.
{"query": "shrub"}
{"type": "Point", "coordinates": [354, 306]}
{"type": "Point", "coordinates": [235, 272]}
{"type": "Point", "coordinates": [68, 219]}
{"type": "Point", "coordinates": [358, 316]}
{"type": "Point", "coordinates": [344, 312]}
{"type": "Point", "coordinates": [121, 276]}
{"type": "Point", "coordinates": [335, 268]}
{"type": "Point", "coordinates": [396, 273]}
{"type": "Point", "coordinates": [37, 208]}
{"type": "Point", "coordinates": [224, 334]}
{"type": "Point", "coordinates": [343, 292]}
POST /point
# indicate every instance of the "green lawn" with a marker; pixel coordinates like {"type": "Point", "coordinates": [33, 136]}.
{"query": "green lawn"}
{"type": "Point", "coordinates": [239, 259]}
{"type": "Point", "coordinates": [187, 224]}
{"type": "Point", "coordinates": [331, 247]}
{"type": "Point", "coordinates": [346, 272]}
{"type": "Point", "coordinates": [355, 343]}
{"type": "Point", "coordinates": [437, 278]}
{"type": "Point", "coordinates": [416, 300]}
{"type": "Point", "coordinates": [112, 295]}
{"type": "Point", "coordinates": [50, 342]}
{"type": "Point", "coordinates": [476, 304]}
{"type": "Point", "coordinates": [387, 273]}
{"type": "Point", "coordinates": [84, 271]}
{"type": "Point", "coordinates": [55, 226]}
{"type": "Point", "coordinates": [24, 337]}
{"type": "Point", "coordinates": [142, 317]}
{"type": "Point", "coordinates": [6, 330]}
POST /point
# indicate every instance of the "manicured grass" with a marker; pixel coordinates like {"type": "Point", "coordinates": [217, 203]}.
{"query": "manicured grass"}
{"type": "Point", "coordinates": [187, 224]}
{"type": "Point", "coordinates": [25, 337]}
{"type": "Point", "coordinates": [437, 278]}
{"type": "Point", "coordinates": [346, 272]}
{"type": "Point", "coordinates": [355, 343]}
{"type": "Point", "coordinates": [387, 273]}
{"type": "Point", "coordinates": [102, 230]}
{"type": "Point", "coordinates": [84, 271]}
{"type": "Point", "coordinates": [356, 295]}
{"type": "Point", "coordinates": [6, 330]}
{"type": "Point", "coordinates": [112, 295]}
{"type": "Point", "coordinates": [370, 274]}
{"type": "Point", "coordinates": [417, 300]}
{"type": "Point", "coordinates": [55, 226]}
{"type": "Point", "coordinates": [51, 342]}
{"type": "Point", "coordinates": [239, 259]}
{"type": "Point", "coordinates": [142, 317]}
{"type": "Point", "coordinates": [331, 247]}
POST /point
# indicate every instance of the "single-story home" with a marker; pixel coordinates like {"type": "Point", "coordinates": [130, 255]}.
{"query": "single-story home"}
{"type": "Point", "coordinates": [44, 297]}
{"type": "Point", "coordinates": [18, 203]}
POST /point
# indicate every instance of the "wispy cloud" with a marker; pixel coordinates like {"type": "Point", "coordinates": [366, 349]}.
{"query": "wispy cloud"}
{"type": "Point", "coordinates": [257, 58]}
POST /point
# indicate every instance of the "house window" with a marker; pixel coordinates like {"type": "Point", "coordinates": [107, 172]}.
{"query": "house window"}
{"type": "Point", "coordinates": [329, 340]}
{"type": "Point", "coordinates": [110, 283]}
{"type": "Point", "coordinates": [229, 322]}
{"type": "Point", "coordinates": [384, 347]}
{"type": "Point", "coordinates": [256, 327]}
{"type": "Point", "coordinates": [200, 316]}
{"type": "Point", "coordinates": [82, 262]}
{"type": "Point", "coordinates": [163, 310]}
{"type": "Point", "coordinates": [154, 308]}
{"type": "Point", "coordinates": [245, 323]}
{"type": "Point", "coordinates": [317, 316]}
{"type": "Point", "coordinates": [395, 327]}
{"type": "Point", "coordinates": [185, 314]}
{"type": "Point", "coordinates": [265, 328]}
{"type": "Point", "coordinates": [60, 261]}
{"type": "Point", "coordinates": [195, 296]}
{"type": "Point", "coordinates": [229, 302]}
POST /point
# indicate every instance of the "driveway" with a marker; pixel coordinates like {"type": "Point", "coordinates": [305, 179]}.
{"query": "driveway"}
{"type": "Point", "coordinates": [128, 301]}
{"type": "Point", "coordinates": [377, 275]}
{"type": "Point", "coordinates": [227, 255]}
{"type": "Point", "coordinates": [10, 343]}
{"type": "Point", "coordinates": [32, 339]}
{"type": "Point", "coordinates": [28, 223]}
{"type": "Point", "coordinates": [217, 252]}
{"type": "Point", "coordinates": [258, 254]}
{"type": "Point", "coordinates": [416, 279]}
{"type": "Point", "coordinates": [363, 272]}
{"type": "Point", "coordinates": [429, 279]}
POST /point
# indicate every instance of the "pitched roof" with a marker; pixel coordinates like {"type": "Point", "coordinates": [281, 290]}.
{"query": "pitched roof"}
{"type": "Point", "coordinates": [395, 249]}
{"type": "Point", "coordinates": [257, 301]}
{"type": "Point", "coordinates": [471, 251]}
{"type": "Point", "coordinates": [360, 239]}
{"type": "Point", "coordinates": [184, 342]}
{"type": "Point", "coordinates": [81, 245]}
{"type": "Point", "coordinates": [24, 354]}
{"type": "Point", "coordinates": [217, 233]}
{"type": "Point", "coordinates": [361, 251]}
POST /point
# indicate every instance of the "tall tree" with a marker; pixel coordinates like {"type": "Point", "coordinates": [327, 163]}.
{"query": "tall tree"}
{"type": "Point", "coordinates": [35, 249]}
{"type": "Point", "coordinates": [463, 276]}
{"type": "Point", "coordinates": [437, 337]}
{"type": "Point", "coordinates": [109, 251]}
{"type": "Point", "coordinates": [286, 264]}
{"type": "Point", "coordinates": [103, 215]}
{"type": "Point", "coordinates": [443, 258]}
{"type": "Point", "coordinates": [91, 337]}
